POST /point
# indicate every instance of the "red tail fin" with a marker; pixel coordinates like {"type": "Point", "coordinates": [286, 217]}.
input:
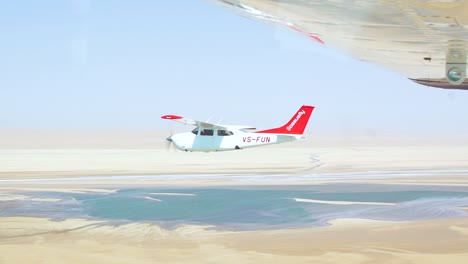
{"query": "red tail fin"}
{"type": "Point", "coordinates": [296, 125]}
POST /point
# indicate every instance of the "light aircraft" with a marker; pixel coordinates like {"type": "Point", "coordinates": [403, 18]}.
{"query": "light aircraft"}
{"type": "Point", "coordinates": [425, 40]}
{"type": "Point", "coordinates": [214, 137]}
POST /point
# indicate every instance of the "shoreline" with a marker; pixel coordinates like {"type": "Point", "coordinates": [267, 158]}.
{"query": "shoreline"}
{"type": "Point", "coordinates": [26, 239]}
{"type": "Point", "coordinates": [344, 240]}
{"type": "Point", "coordinates": [426, 177]}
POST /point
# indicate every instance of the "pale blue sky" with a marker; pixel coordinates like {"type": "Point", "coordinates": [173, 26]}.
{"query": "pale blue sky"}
{"type": "Point", "coordinates": [123, 64]}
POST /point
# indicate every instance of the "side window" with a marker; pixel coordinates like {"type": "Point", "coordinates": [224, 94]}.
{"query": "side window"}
{"type": "Point", "coordinates": [206, 132]}
{"type": "Point", "coordinates": [225, 133]}
{"type": "Point", "coordinates": [195, 131]}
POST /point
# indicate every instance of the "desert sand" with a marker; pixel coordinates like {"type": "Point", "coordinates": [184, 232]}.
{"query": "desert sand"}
{"type": "Point", "coordinates": [320, 163]}
{"type": "Point", "coordinates": [39, 240]}
{"type": "Point", "coordinates": [45, 154]}
{"type": "Point", "coordinates": [34, 163]}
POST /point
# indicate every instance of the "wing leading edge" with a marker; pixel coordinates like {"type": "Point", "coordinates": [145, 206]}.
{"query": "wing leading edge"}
{"type": "Point", "coordinates": [188, 121]}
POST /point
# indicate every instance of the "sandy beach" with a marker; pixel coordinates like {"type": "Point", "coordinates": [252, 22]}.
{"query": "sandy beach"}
{"type": "Point", "coordinates": [39, 240]}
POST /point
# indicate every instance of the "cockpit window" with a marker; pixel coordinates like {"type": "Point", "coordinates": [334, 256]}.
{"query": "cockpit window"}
{"type": "Point", "coordinates": [225, 133]}
{"type": "Point", "coordinates": [206, 132]}
{"type": "Point", "coordinates": [195, 131]}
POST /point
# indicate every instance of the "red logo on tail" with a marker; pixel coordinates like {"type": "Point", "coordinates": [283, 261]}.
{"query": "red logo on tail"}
{"type": "Point", "coordinates": [296, 125]}
{"type": "Point", "coordinates": [299, 114]}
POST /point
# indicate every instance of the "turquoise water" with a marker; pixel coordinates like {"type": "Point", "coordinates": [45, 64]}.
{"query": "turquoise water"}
{"type": "Point", "coordinates": [243, 208]}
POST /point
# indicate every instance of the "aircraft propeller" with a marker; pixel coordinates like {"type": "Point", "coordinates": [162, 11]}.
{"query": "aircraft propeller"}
{"type": "Point", "coordinates": [169, 142]}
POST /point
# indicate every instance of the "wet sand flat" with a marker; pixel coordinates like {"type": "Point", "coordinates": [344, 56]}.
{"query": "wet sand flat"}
{"type": "Point", "coordinates": [39, 240]}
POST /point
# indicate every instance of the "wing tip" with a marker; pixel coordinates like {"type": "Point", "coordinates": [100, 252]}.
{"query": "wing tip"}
{"type": "Point", "coordinates": [171, 117]}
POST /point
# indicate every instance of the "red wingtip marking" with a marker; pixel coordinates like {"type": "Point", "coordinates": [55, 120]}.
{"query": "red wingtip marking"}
{"type": "Point", "coordinates": [171, 117]}
{"type": "Point", "coordinates": [308, 34]}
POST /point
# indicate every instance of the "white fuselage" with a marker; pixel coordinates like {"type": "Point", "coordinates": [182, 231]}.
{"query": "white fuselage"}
{"type": "Point", "coordinates": [222, 140]}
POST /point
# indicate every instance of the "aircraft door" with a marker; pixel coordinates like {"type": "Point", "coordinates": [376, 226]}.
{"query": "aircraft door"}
{"type": "Point", "coordinates": [207, 140]}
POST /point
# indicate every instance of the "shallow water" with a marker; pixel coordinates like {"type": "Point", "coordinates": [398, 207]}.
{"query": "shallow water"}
{"type": "Point", "coordinates": [247, 207]}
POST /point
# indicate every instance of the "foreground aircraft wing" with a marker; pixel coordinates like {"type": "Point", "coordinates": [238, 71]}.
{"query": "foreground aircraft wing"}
{"type": "Point", "coordinates": [426, 40]}
{"type": "Point", "coordinates": [188, 121]}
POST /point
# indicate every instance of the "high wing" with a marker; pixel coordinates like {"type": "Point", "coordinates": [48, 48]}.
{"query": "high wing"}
{"type": "Point", "coordinates": [426, 40]}
{"type": "Point", "coordinates": [188, 121]}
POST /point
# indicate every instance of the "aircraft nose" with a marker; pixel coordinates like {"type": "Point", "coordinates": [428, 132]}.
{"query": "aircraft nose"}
{"type": "Point", "coordinates": [169, 138]}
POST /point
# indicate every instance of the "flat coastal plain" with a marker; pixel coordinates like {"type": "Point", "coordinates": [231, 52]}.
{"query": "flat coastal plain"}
{"type": "Point", "coordinates": [28, 173]}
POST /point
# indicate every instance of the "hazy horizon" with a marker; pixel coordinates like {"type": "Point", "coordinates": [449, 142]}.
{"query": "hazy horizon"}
{"type": "Point", "coordinates": [90, 65]}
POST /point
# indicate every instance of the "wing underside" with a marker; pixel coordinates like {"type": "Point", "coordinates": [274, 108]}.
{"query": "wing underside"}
{"type": "Point", "coordinates": [426, 40]}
